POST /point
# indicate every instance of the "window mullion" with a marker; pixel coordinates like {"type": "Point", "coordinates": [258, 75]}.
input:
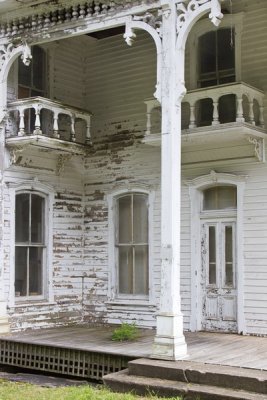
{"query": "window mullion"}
{"type": "Point", "coordinates": [134, 285]}
{"type": "Point", "coordinates": [216, 58]}
{"type": "Point", "coordinates": [28, 272]}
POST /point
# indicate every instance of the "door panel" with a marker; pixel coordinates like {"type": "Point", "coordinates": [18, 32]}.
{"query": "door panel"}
{"type": "Point", "coordinates": [219, 275]}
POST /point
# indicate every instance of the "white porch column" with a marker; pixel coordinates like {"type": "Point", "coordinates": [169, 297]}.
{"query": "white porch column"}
{"type": "Point", "coordinates": [4, 322]}
{"type": "Point", "coordinates": [178, 18]}
{"type": "Point", "coordinates": [169, 341]}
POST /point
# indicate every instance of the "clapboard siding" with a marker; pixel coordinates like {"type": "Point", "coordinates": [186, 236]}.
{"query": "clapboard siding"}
{"type": "Point", "coordinates": [112, 80]}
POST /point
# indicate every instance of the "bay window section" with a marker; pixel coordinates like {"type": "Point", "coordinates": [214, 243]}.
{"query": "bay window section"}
{"type": "Point", "coordinates": [132, 244]}
{"type": "Point", "coordinates": [30, 245]}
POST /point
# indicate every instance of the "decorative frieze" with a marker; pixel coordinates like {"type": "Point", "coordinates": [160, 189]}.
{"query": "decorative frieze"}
{"type": "Point", "coordinates": [86, 10]}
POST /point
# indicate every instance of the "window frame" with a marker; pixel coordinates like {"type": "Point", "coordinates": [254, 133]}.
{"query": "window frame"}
{"type": "Point", "coordinates": [204, 26]}
{"type": "Point", "coordinates": [46, 192]}
{"type": "Point", "coordinates": [113, 289]}
{"type": "Point", "coordinates": [29, 244]}
{"type": "Point", "coordinates": [31, 86]}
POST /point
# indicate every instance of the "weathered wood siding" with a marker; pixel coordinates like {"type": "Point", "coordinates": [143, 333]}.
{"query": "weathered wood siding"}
{"type": "Point", "coordinates": [112, 80]}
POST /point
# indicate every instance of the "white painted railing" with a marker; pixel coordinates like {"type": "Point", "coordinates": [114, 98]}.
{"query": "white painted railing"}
{"type": "Point", "coordinates": [249, 105]}
{"type": "Point", "coordinates": [37, 104]}
{"type": "Point", "coordinates": [244, 94]}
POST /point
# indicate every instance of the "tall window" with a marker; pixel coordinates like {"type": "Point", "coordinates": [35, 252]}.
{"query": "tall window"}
{"type": "Point", "coordinates": [132, 244]}
{"type": "Point", "coordinates": [31, 79]}
{"type": "Point", "coordinates": [29, 245]}
{"type": "Point", "coordinates": [216, 58]}
{"type": "Point", "coordinates": [217, 67]}
{"type": "Point", "coordinates": [32, 82]}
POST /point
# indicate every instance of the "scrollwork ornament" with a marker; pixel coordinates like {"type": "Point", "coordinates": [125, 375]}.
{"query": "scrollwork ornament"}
{"type": "Point", "coordinates": [5, 53]}
{"type": "Point", "coordinates": [26, 54]}
{"type": "Point", "coordinates": [186, 7]}
{"type": "Point", "coordinates": [129, 35]}
{"type": "Point", "coordinates": [155, 21]}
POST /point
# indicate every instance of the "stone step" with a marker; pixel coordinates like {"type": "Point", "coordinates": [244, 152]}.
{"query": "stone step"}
{"type": "Point", "coordinates": [123, 382]}
{"type": "Point", "coordinates": [204, 374]}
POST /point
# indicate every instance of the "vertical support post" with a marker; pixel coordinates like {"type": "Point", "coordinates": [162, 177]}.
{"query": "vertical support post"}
{"type": "Point", "coordinates": [251, 112]}
{"type": "Point", "coordinates": [169, 342]}
{"type": "Point", "coordinates": [37, 123]}
{"type": "Point", "coordinates": [4, 321]}
{"type": "Point", "coordinates": [261, 116]}
{"type": "Point", "coordinates": [239, 110]}
{"type": "Point", "coordinates": [55, 125]}
{"type": "Point", "coordinates": [192, 123]}
{"type": "Point", "coordinates": [21, 123]}
{"type": "Point", "coordinates": [88, 131]}
{"type": "Point", "coordinates": [72, 129]}
{"type": "Point", "coordinates": [215, 118]}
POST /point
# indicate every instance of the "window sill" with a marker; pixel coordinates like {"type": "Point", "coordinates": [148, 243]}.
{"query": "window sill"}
{"type": "Point", "coordinates": [33, 303]}
{"type": "Point", "coordinates": [133, 302]}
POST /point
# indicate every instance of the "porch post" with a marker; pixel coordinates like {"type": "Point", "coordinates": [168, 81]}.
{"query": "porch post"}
{"type": "Point", "coordinates": [178, 17]}
{"type": "Point", "coordinates": [169, 342]}
{"type": "Point", "coordinates": [4, 323]}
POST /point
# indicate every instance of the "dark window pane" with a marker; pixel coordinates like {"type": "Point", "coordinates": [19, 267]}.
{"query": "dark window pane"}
{"type": "Point", "coordinates": [38, 63]}
{"type": "Point", "coordinates": [22, 218]}
{"type": "Point", "coordinates": [24, 74]}
{"type": "Point", "coordinates": [37, 215]}
{"type": "Point", "coordinates": [140, 219]}
{"type": "Point", "coordinates": [229, 278]}
{"type": "Point", "coordinates": [23, 92]}
{"type": "Point", "coordinates": [21, 271]}
{"type": "Point", "coordinates": [226, 52]}
{"type": "Point", "coordinates": [212, 255]}
{"type": "Point", "coordinates": [207, 46]}
{"type": "Point", "coordinates": [141, 270]}
{"type": "Point", "coordinates": [125, 219]}
{"type": "Point", "coordinates": [220, 198]}
{"type": "Point", "coordinates": [126, 270]}
{"type": "Point", "coordinates": [35, 271]}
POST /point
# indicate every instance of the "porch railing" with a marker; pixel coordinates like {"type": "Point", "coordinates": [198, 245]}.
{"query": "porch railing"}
{"type": "Point", "coordinates": [30, 121]}
{"type": "Point", "coordinates": [248, 106]}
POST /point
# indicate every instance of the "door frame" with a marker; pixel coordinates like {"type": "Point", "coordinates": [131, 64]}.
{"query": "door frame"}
{"type": "Point", "coordinates": [196, 187]}
{"type": "Point", "coordinates": [226, 218]}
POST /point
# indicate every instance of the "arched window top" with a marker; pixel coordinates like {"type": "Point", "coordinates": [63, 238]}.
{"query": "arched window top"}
{"type": "Point", "coordinates": [220, 198]}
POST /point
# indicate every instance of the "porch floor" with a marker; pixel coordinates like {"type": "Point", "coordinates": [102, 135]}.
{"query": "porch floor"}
{"type": "Point", "coordinates": [204, 347]}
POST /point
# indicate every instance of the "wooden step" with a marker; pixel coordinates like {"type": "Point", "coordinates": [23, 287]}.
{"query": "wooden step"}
{"type": "Point", "coordinates": [141, 385]}
{"type": "Point", "coordinates": [205, 374]}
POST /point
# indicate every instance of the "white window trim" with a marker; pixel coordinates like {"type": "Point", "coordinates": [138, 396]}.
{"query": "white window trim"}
{"type": "Point", "coordinates": [113, 296]}
{"type": "Point", "coordinates": [48, 193]}
{"type": "Point", "coordinates": [196, 186]}
{"type": "Point", "coordinates": [204, 26]}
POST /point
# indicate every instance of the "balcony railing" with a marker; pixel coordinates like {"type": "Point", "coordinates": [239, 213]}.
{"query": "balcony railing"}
{"type": "Point", "coordinates": [245, 102]}
{"type": "Point", "coordinates": [248, 104]}
{"type": "Point", "coordinates": [41, 116]}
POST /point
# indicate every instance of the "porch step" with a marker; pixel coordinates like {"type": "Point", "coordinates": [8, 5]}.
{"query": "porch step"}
{"type": "Point", "coordinates": [204, 374]}
{"type": "Point", "coordinates": [190, 379]}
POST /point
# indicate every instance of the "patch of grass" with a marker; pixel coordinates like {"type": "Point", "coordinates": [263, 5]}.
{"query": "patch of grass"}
{"type": "Point", "coordinates": [125, 332]}
{"type": "Point", "coordinates": [23, 391]}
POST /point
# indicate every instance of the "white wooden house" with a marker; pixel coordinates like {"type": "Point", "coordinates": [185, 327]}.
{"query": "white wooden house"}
{"type": "Point", "coordinates": [97, 141]}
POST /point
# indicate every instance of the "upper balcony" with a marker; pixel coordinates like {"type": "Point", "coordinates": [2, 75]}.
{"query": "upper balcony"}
{"type": "Point", "coordinates": [49, 124]}
{"type": "Point", "coordinates": [216, 114]}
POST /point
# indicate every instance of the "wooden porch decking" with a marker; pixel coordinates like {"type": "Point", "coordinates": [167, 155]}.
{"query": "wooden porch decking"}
{"type": "Point", "coordinates": [203, 347]}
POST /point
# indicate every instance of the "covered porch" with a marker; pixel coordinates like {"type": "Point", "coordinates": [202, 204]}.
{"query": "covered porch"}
{"type": "Point", "coordinates": [88, 351]}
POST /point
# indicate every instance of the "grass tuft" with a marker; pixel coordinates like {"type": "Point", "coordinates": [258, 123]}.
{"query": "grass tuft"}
{"type": "Point", "coordinates": [125, 332]}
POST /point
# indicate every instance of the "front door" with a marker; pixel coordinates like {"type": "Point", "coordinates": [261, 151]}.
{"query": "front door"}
{"type": "Point", "coordinates": [219, 296]}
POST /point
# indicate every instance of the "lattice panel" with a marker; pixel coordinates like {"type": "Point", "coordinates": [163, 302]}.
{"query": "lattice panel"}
{"type": "Point", "coordinates": [58, 360]}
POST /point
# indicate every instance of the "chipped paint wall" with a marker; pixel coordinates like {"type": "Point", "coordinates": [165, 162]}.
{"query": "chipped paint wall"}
{"type": "Point", "coordinates": [112, 80]}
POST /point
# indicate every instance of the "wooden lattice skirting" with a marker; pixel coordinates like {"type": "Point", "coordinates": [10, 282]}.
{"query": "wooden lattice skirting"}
{"type": "Point", "coordinates": [73, 362]}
